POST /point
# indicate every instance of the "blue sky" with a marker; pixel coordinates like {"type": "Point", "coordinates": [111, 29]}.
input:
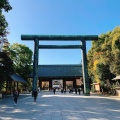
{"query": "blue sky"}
{"type": "Point", "coordinates": [61, 17]}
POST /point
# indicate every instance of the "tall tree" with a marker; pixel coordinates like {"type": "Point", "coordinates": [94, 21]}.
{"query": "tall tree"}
{"type": "Point", "coordinates": [3, 31]}
{"type": "Point", "coordinates": [115, 38]}
{"type": "Point", "coordinates": [5, 61]}
{"type": "Point", "coordinates": [4, 5]}
{"type": "Point", "coordinates": [22, 59]}
{"type": "Point", "coordinates": [104, 56]}
{"type": "Point", "coordinates": [6, 68]}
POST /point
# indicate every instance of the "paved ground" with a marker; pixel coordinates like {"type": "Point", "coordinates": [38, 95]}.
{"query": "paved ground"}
{"type": "Point", "coordinates": [61, 107]}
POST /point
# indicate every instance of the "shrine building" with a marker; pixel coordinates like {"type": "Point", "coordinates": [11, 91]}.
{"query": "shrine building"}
{"type": "Point", "coordinates": [59, 76]}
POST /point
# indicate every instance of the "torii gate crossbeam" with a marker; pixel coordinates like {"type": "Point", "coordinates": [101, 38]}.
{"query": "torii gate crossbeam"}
{"type": "Point", "coordinates": [82, 38]}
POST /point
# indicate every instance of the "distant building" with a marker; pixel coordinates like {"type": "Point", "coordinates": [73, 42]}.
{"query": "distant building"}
{"type": "Point", "coordinates": [59, 76]}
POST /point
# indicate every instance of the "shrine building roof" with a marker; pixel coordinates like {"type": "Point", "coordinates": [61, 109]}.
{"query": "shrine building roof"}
{"type": "Point", "coordinates": [59, 71]}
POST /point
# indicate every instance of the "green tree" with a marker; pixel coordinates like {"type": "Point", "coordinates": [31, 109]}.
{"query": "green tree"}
{"type": "Point", "coordinates": [4, 4]}
{"type": "Point", "coordinates": [3, 25]}
{"type": "Point", "coordinates": [115, 38]}
{"type": "Point", "coordinates": [104, 56]}
{"type": "Point", "coordinates": [22, 59]}
{"type": "Point", "coordinates": [3, 31]}
{"type": "Point", "coordinates": [5, 61]}
{"type": "Point", "coordinates": [103, 71]}
{"type": "Point", "coordinates": [6, 68]}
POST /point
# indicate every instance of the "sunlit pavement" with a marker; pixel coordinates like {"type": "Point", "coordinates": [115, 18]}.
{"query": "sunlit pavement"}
{"type": "Point", "coordinates": [61, 107]}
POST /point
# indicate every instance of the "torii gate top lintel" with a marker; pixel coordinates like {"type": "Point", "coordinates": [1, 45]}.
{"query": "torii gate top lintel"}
{"type": "Point", "coordinates": [82, 38]}
{"type": "Point", "coordinates": [59, 37]}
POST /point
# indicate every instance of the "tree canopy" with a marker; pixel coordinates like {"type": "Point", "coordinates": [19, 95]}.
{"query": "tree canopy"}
{"type": "Point", "coordinates": [6, 68]}
{"type": "Point", "coordinates": [104, 56]}
{"type": "Point", "coordinates": [4, 4]}
{"type": "Point", "coordinates": [22, 58]}
{"type": "Point", "coordinates": [6, 64]}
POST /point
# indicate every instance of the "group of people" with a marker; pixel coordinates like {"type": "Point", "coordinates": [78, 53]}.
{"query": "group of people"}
{"type": "Point", "coordinates": [79, 90]}
{"type": "Point", "coordinates": [35, 93]}
{"type": "Point", "coordinates": [62, 90]}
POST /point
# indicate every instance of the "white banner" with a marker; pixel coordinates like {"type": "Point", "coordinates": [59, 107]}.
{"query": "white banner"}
{"type": "Point", "coordinates": [57, 83]}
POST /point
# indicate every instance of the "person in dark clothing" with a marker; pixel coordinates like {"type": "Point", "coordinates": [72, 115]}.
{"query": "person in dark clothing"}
{"type": "Point", "coordinates": [76, 90]}
{"type": "Point", "coordinates": [82, 88]}
{"type": "Point", "coordinates": [79, 91]}
{"type": "Point", "coordinates": [61, 90]}
{"type": "Point", "coordinates": [35, 93]}
{"type": "Point", "coordinates": [54, 90]}
{"type": "Point", "coordinates": [64, 90]}
{"type": "Point", "coordinates": [15, 95]}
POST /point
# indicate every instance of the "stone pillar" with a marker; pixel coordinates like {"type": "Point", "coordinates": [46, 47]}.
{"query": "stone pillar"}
{"type": "Point", "coordinates": [85, 69]}
{"type": "Point", "coordinates": [35, 64]}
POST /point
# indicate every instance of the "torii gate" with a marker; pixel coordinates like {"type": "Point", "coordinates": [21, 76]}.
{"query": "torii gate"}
{"type": "Point", "coordinates": [82, 38]}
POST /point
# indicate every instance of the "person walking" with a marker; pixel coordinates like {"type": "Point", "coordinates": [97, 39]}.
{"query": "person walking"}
{"type": "Point", "coordinates": [76, 90]}
{"type": "Point", "coordinates": [82, 88]}
{"type": "Point", "coordinates": [79, 91]}
{"type": "Point", "coordinates": [15, 95]}
{"type": "Point", "coordinates": [64, 90]}
{"type": "Point", "coordinates": [35, 94]}
{"type": "Point", "coordinates": [54, 90]}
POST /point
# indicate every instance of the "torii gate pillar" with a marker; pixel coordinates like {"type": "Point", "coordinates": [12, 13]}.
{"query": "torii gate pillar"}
{"type": "Point", "coordinates": [35, 64]}
{"type": "Point", "coordinates": [85, 69]}
{"type": "Point", "coordinates": [81, 38]}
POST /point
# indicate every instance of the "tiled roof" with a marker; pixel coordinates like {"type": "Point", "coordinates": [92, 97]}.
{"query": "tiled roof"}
{"type": "Point", "coordinates": [45, 71]}
{"type": "Point", "coordinates": [17, 78]}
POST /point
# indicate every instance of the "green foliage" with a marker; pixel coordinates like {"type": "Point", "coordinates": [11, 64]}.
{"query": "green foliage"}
{"type": "Point", "coordinates": [103, 72]}
{"type": "Point", "coordinates": [104, 56]}
{"type": "Point", "coordinates": [6, 68]}
{"type": "Point", "coordinates": [90, 62]}
{"type": "Point", "coordinates": [6, 65]}
{"type": "Point", "coordinates": [116, 41]}
{"type": "Point", "coordinates": [22, 59]}
{"type": "Point", "coordinates": [3, 25]}
{"type": "Point", "coordinates": [4, 4]}
{"type": "Point", "coordinates": [115, 64]}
